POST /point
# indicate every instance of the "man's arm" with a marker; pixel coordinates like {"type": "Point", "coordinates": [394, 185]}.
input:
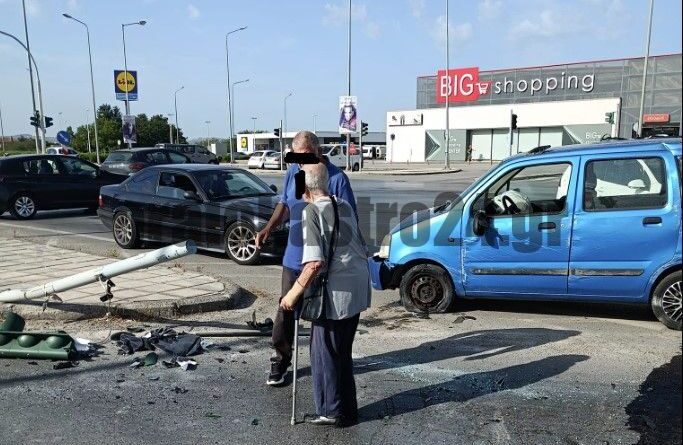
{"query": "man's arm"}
{"type": "Point", "coordinates": [280, 215]}
{"type": "Point", "coordinates": [345, 192]}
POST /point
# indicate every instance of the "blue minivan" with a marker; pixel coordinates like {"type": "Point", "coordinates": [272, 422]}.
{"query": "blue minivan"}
{"type": "Point", "coordinates": [596, 223]}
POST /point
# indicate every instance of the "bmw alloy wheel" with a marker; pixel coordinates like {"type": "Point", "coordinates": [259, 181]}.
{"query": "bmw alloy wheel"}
{"type": "Point", "coordinates": [241, 243]}
{"type": "Point", "coordinates": [123, 229]}
{"type": "Point", "coordinates": [24, 207]}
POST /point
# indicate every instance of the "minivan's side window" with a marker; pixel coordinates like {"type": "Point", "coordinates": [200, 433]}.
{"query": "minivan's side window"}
{"type": "Point", "coordinates": [144, 182]}
{"type": "Point", "coordinates": [622, 184]}
{"type": "Point", "coordinates": [174, 185]}
{"type": "Point", "coordinates": [177, 158]}
{"type": "Point", "coordinates": [78, 168]}
{"type": "Point", "coordinates": [156, 157]}
{"type": "Point", "coordinates": [534, 190]}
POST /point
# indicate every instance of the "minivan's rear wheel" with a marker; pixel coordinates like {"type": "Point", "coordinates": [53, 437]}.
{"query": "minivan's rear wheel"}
{"type": "Point", "coordinates": [124, 230]}
{"type": "Point", "coordinates": [666, 301]}
{"type": "Point", "coordinates": [427, 288]}
{"type": "Point", "coordinates": [23, 207]}
{"type": "Point", "coordinates": [240, 244]}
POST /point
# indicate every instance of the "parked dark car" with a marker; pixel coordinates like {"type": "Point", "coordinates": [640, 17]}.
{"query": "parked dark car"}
{"type": "Point", "coordinates": [128, 161]}
{"type": "Point", "coordinates": [29, 183]}
{"type": "Point", "coordinates": [221, 208]}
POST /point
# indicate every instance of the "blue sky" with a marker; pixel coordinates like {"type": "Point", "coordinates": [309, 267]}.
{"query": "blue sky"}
{"type": "Point", "coordinates": [298, 46]}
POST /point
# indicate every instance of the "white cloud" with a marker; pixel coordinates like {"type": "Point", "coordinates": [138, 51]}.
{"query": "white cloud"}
{"type": "Point", "coordinates": [193, 12]}
{"type": "Point", "coordinates": [490, 9]}
{"type": "Point", "coordinates": [338, 14]}
{"type": "Point", "coordinates": [458, 34]}
{"type": "Point", "coordinates": [33, 7]}
{"type": "Point", "coordinates": [548, 24]}
{"type": "Point", "coordinates": [417, 7]}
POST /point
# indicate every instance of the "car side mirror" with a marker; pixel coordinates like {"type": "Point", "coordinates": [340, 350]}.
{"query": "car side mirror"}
{"type": "Point", "coordinates": [637, 184]}
{"type": "Point", "coordinates": [480, 223]}
{"type": "Point", "coordinates": [273, 187]}
{"type": "Point", "coordinates": [192, 196]}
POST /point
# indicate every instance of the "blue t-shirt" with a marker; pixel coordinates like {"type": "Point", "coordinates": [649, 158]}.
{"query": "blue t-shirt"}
{"type": "Point", "coordinates": [338, 185]}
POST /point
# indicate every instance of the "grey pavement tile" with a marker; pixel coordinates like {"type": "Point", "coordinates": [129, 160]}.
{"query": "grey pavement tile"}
{"type": "Point", "coordinates": [187, 292]}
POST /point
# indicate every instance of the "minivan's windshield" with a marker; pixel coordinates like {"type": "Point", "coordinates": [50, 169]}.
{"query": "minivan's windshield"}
{"type": "Point", "coordinates": [219, 185]}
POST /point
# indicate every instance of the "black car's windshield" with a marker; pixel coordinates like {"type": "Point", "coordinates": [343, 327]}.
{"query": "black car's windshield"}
{"type": "Point", "coordinates": [220, 185]}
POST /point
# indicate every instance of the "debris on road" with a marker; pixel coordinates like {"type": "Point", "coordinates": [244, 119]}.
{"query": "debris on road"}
{"type": "Point", "coordinates": [462, 317]}
{"type": "Point", "coordinates": [265, 325]}
{"type": "Point", "coordinates": [16, 343]}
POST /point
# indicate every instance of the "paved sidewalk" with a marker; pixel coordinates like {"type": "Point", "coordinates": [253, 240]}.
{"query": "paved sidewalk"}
{"type": "Point", "coordinates": [159, 291]}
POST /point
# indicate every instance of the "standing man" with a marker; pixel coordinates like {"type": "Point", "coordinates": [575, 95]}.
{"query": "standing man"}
{"type": "Point", "coordinates": [290, 209]}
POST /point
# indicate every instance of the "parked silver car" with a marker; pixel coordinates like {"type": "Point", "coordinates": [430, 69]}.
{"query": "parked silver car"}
{"type": "Point", "coordinates": [197, 153]}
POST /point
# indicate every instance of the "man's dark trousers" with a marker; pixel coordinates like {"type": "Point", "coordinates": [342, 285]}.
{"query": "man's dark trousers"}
{"type": "Point", "coordinates": [334, 388]}
{"type": "Point", "coordinates": [283, 326]}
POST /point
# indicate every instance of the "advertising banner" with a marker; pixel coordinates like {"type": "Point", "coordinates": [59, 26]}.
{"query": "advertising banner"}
{"type": "Point", "coordinates": [130, 134]}
{"type": "Point", "coordinates": [348, 115]}
{"type": "Point", "coordinates": [126, 83]}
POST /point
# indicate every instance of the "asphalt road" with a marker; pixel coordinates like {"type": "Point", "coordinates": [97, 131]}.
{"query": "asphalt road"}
{"type": "Point", "coordinates": [514, 373]}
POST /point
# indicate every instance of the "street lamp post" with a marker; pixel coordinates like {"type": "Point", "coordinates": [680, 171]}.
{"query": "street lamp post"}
{"type": "Point", "coordinates": [315, 119]}
{"type": "Point", "coordinates": [40, 91]}
{"type": "Point", "coordinates": [30, 70]}
{"type": "Point", "coordinates": [170, 127]}
{"type": "Point", "coordinates": [647, 56]}
{"type": "Point", "coordinates": [175, 105]}
{"type": "Point", "coordinates": [227, 66]}
{"type": "Point", "coordinates": [2, 132]}
{"type": "Point", "coordinates": [87, 128]}
{"type": "Point", "coordinates": [125, 63]}
{"type": "Point", "coordinates": [253, 120]}
{"type": "Point", "coordinates": [208, 133]}
{"type": "Point", "coordinates": [348, 135]}
{"type": "Point", "coordinates": [285, 122]}
{"type": "Point", "coordinates": [92, 86]}
{"type": "Point", "coordinates": [447, 166]}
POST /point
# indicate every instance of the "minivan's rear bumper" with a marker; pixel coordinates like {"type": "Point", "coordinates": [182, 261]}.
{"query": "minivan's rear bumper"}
{"type": "Point", "coordinates": [381, 272]}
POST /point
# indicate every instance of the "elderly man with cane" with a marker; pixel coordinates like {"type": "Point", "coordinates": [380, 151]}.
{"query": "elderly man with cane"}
{"type": "Point", "coordinates": [290, 208]}
{"type": "Point", "coordinates": [337, 279]}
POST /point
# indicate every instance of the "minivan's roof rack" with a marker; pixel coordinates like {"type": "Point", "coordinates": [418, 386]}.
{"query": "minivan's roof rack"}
{"type": "Point", "coordinates": [539, 149]}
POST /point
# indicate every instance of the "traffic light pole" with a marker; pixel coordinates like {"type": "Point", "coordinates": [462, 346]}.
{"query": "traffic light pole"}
{"type": "Point", "coordinates": [360, 147]}
{"type": "Point", "coordinates": [41, 121]}
{"type": "Point", "coordinates": [282, 152]}
{"type": "Point", "coordinates": [511, 129]}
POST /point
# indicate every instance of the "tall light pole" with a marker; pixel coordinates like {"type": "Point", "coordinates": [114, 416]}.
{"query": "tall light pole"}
{"type": "Point", "coordinates": [30, 69]}
{"type": "Point", "coordinates": [41, 121]}
{"type": "Point", "coordinates": [647, 56]}
{"type": "Point", "coordinates": [315, 118]}
{"type": "Point", "coordinates": [227, 67]}
{"type": "Point", "coordinates": [348, 135]}
{"type": "Point", "coordinates": [253, 120]}
{"type": "Point", "coordinates": [170, 127]}
{"type": "Point", "coordinates": [208, 133]}
{"type": "Point", "coordinates": [2, 131]}
{"type": "Point", "coordinates": [447, 166]}
{"type": "Point", "coordinates": [175, 105]}
{"type": "Point", "coordinates": [232, 118]}
{"type": "Point", "coordinates": [87, 128]}
{"type": "Point", "coordinates": [92, 86]}
{"type": "Point", "coordinates": [284, 130]}
{"type": "Point", "coordinates": [125, 63]}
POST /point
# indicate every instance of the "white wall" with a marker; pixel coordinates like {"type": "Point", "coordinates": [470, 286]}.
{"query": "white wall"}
{"type": "Point", "coordinates": [409, 141]}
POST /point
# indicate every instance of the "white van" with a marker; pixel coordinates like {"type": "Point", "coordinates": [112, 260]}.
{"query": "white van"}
{"type": "Point", "coordinates": [336, 154]}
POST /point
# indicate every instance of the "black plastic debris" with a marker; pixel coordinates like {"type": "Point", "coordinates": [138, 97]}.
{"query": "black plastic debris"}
{"type": "Point", "coordinates": [265, 325]}
{"type": "Point", "coordinates": [64, 365]}
{"type": "Point", "coordinates": [462, 317]}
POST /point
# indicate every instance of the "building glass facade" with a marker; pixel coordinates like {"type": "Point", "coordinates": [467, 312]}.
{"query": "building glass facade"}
{"type": "Point", "coordinates": [580, 81]}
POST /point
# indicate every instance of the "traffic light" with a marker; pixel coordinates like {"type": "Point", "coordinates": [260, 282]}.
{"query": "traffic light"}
{"type": "Point", "coordinates": [35, 119]}
{"type": "Point", "coordinates": [277, 132]}
{"type": "Point", "coordinates": [513, 122]}
{"type": "Point", "coordinates": [609, 118]}
{"type": "Point", "coordinates": [48, 122]}
{"type": "Point", "coordinates": [363, 128]}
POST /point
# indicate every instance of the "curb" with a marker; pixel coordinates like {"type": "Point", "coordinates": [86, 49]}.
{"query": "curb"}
{"type": "Point", "coordinates": [139, 311]}
{"type": "Point", "coordinates": [406, 173]}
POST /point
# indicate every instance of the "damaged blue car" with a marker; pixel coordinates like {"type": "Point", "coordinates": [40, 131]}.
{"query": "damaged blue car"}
{"type": "Point", "coordinates": [595, 223]}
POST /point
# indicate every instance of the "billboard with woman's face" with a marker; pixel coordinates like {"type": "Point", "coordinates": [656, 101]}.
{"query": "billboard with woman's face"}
{"type": "Point", "coordinates": [348, 115]}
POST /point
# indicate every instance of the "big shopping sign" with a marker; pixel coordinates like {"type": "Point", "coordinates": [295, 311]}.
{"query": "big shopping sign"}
{"type": "Point", "coordinates": [463, 85]}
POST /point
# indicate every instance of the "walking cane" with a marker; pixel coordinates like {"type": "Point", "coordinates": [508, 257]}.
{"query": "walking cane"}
{"type": "Point", "coordinates": [297, 312]}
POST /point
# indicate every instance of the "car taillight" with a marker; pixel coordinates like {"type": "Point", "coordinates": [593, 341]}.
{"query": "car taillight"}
{"type": "Point", "coordinates": [136, 166]}
{"type": "Point", "coordinates": [100, 201]}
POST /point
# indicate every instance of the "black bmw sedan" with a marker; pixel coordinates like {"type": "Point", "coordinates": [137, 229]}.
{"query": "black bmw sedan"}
{"type": "Point", "coordinates": [220, 208]}
{"type": "Point", "coordinates": [29, 183]}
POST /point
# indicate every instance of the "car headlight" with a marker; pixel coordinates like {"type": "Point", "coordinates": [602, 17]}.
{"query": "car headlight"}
{"type": "Point", "coordinates": [384, 247]}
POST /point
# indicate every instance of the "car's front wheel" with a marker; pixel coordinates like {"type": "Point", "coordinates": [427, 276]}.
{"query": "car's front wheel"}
{"type": "Point", "coordinates": [240, 244]}
{"type": "Point", "coordinates": [427, 288]}
{"type": "Point", "coordinates": [666, 301]}
{"type": "Point", "coordinates": [125, 231]}
{"type": "Point", "coordinates": [23, 206]}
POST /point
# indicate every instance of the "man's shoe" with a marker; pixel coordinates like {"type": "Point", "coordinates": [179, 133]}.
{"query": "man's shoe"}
{"type": "Point", "coordinates": [323, 421]}
{"type": "Point", "coordinates": [277, 375]}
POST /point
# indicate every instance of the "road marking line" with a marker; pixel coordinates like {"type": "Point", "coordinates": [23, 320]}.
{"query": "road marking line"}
{"type": "Point", "coordinates": [57, 232]}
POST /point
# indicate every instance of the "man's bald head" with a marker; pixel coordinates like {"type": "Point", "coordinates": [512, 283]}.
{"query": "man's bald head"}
{"type": "Point", "coordinates": [306, 142]}
{"type": "Point", "coordinates": [316, 178]}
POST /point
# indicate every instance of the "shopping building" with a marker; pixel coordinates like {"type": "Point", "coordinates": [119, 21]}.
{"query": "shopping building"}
{"type": "Point", "coordinates": [555, 105]}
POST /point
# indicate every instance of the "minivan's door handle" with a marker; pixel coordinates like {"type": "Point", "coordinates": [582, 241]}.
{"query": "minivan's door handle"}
{"type": "Point", "coordinates": [546, 226]}
{"type": "Point", "coordinates": [650, 220]}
